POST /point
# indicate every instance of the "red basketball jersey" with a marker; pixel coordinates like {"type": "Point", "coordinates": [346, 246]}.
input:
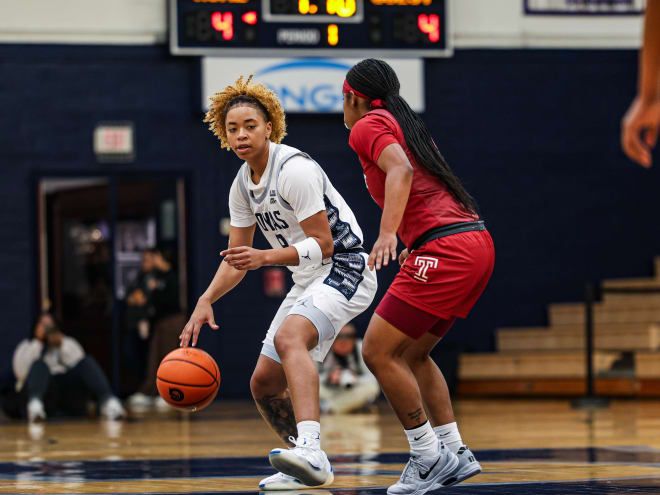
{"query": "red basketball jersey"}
{"type": "Point", "coordinates": [430, 204]}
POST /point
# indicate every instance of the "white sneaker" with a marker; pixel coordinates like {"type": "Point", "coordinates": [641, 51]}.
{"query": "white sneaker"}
{"type": "Point", "coordinates": [281, 481]}
{"type": "Point", "coordinates": [305, 462]}
{"type": "Point", "coordinates": [35, 410]}
{"type": "Point", "coordinates": [112, 409]}
{"type": "Point", "coordinates": [423, 473]}
{"type": "Point", "coordinates": [161, 405]}
{"type": "Point", "coordinates": [468, 466]}
{"type": "Point", "coordinates": [139, 400]}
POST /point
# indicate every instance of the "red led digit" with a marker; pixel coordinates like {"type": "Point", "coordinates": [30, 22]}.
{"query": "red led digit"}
{"type": "Point", "coordinates": [224, 23]}
{"type": "Point", "coordinates": [429, 24]}
{"type": "Point", "coordinates": [250, 18]}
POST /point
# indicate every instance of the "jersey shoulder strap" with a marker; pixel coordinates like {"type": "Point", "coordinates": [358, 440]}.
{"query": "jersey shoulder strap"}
{"type": "Point", "coordinates": [286, 155]}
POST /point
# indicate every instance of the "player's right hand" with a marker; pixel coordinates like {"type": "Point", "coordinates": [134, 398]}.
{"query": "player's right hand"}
{"type": "Point", "coordinates": [639, 130]}
{"type": "Point", "coordinates": [203, 314]}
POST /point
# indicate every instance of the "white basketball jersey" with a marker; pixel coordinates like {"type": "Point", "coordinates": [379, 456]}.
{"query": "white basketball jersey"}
{"type": "Point", "coordinates": [285, 194]}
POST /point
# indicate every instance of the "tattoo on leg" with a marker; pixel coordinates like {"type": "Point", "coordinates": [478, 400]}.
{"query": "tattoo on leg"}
{"type": "Point", "coordinates": [278, 413]}
{"type": "Point", "coordinates": [416, 416]}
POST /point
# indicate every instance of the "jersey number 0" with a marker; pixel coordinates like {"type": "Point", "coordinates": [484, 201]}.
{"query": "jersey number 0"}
{"type": "Point", "coordinates": [282, 240]}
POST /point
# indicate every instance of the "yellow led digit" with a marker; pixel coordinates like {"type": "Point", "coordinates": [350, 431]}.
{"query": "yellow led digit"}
{"type": "Point", "coordinates": [333, 35]}
{"type": "Point", "coordinates": [341, 8]}
{"type": "Point", "coordinates": [347, 8]}
{"type": "Point", "coordinates": [304, 7]}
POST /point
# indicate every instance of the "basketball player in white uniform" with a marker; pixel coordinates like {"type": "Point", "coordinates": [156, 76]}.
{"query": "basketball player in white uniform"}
{"type": "Point", "coordinates": [312, 231]}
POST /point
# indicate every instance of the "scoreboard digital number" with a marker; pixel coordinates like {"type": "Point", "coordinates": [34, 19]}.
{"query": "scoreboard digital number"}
{"type": "Point", "coordinates": [349, 28]}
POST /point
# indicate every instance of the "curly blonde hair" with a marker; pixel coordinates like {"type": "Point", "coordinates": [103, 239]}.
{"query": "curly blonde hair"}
{"type": "Point", "coordinates": [246, 92]}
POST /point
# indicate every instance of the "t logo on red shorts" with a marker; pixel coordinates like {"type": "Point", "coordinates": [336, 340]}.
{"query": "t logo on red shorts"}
{"type": "Point", "coordinates": [424, 263]}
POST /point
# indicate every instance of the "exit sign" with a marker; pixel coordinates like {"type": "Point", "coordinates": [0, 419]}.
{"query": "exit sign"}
{"type": "Point", "coordinates": [114, 142]}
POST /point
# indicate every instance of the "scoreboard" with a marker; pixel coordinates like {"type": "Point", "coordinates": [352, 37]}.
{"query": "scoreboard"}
{"type": "Point", "coordinates": [317, 28]}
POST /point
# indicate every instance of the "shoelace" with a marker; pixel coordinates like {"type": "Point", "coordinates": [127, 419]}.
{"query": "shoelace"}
{"type": "Point", "coordinates": [306, 450]}
{"type": "Point", "coordinates": [300, 443]}
{"type": "Point", "coordinates": [297, 443]}
{"type": "Point", "coordinates": [408, 471]}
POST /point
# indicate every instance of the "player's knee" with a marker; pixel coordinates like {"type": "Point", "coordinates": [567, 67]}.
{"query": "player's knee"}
{"type": "Point", "coordinates": [282, 346]}
{"type": "Point", "coordinates": [415, 357]}
{"type": "Point", "coordinates": [287, 342]}
{"type": "Point", "coordinates": [372, 356]}
{"type": "Point", "coordinates": [260, 384]}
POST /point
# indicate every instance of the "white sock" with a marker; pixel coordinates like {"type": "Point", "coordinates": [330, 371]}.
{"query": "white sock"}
{"type": "Point", "coordinates": [422, 440]}
{"type": "Point", "coordinates": [449, 435]}
{"type": "Point", "coordinates": [310, 431]}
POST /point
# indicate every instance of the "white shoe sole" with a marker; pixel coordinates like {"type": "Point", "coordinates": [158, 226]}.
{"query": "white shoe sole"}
{"type": "Point", "coordinates": [283, 487]}
{"type": "Point", "coordinates": [459, 478]}
{"type": "Point", "coordinates": [289, 463]}
{"type": "Point", "coordinates": [445, 475]}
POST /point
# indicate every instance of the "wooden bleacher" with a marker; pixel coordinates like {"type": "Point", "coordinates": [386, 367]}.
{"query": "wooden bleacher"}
{"type": "Point", "coordinates": [550, 360]}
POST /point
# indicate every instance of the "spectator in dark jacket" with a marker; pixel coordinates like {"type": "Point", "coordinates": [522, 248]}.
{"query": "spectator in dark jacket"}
{"type": "Point", "coordinates": [167, 320]}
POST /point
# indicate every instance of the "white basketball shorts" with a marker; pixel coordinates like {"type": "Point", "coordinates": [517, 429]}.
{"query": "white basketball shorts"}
{"type": "Point", "coordinates": [330, 300]}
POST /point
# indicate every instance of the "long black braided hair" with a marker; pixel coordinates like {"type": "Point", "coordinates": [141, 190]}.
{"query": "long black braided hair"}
{"type": "Point", "coordinates": [377, 80]}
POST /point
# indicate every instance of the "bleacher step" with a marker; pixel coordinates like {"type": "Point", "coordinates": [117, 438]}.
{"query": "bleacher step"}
{"type": "Point", "coordinates": [615, 337]}
{"type": "Point", "coordinates": [647, 364]}
{"type": "Point", "coordinates": [574, 313]}
{"type": "Point", "coordinates": [632, 283]}
{"type": "Point", "coordinates": [568, 364]}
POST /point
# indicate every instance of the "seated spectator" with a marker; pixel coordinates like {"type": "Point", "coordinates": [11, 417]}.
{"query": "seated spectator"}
{"type": "Point", "coordinates": [54, 377]}
{"type": "Point", "coordinates": [346, 384]}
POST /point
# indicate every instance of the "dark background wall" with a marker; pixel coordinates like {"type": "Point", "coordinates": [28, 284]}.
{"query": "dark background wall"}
{"type": "Point", "coordinates": [533, 134]}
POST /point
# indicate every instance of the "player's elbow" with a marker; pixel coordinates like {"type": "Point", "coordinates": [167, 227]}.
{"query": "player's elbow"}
{"type": "Point", "coordinates": [406, 172]}
{"type": "Point", "coordinates": [327, 247]}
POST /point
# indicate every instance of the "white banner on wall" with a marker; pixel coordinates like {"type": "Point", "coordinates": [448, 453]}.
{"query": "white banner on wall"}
{"type": "Point", "coordinates": [585, 7]}
{"type": "Point", "coordinates": [306, 85]}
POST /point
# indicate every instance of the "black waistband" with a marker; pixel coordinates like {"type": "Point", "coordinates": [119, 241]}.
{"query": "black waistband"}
{"type": "Point", "coordinates": [437, 232]}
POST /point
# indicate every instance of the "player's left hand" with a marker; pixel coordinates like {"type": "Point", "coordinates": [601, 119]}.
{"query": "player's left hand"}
{"type": "Point", "coordinates": [244, 257]}
{"type": "Point", "coordinates": [383, 250]}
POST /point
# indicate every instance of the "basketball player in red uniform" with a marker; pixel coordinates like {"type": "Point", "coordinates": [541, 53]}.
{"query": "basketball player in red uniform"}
{"type": "Point", "coordinates": [446, 266]}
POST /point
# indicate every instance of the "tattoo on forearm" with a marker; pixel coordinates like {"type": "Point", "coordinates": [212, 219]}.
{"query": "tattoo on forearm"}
{"type": "Point", "coordinates": [416, 416]}
{"type": "Point", "coordinates": [278, 413]}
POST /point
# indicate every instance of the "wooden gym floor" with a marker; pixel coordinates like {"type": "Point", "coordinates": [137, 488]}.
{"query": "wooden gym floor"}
{"type": "Point", "coordinates": [530, 447]}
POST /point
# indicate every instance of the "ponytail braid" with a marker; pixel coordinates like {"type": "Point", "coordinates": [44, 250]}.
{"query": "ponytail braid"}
{"type": "Point", "coordinates": [378, 80]}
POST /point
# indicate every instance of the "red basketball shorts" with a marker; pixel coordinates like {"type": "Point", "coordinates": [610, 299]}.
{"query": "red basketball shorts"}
{"type": "Point", "coordinates": [439, 282]}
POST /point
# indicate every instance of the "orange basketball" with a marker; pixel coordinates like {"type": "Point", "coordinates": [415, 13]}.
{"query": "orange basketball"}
{"type": "Point", "coordinates": [188, 378]}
